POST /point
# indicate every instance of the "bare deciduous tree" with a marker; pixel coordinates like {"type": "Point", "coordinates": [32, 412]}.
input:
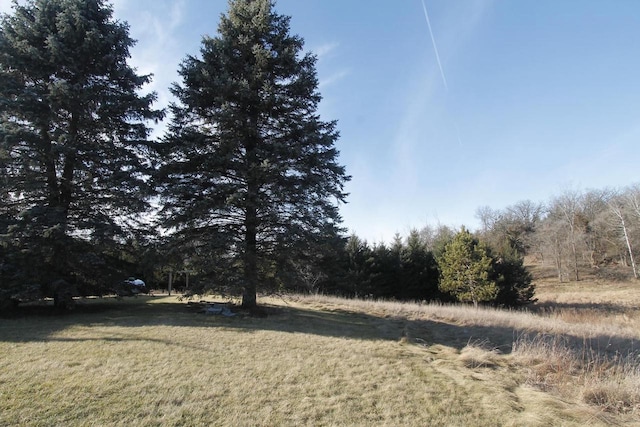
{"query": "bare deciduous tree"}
{"type": "Point", "coordinates": [620, 212]}
{"type": "Point", "coordinates": [567, 207]}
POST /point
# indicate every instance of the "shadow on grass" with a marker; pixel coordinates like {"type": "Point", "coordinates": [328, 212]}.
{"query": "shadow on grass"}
{"type": "Point", "coordinates": [41, 323]}
{"type": "Point", "coordinates": [552, 307]}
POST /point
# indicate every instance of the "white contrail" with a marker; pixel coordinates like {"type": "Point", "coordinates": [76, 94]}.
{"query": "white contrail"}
{"type": "Point", "coordinates": [455, 124]}
{"type": "Point", "coordinates": [435, 48]}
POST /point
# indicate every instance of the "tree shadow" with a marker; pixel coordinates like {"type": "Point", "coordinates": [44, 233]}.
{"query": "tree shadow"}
{"type": "Point", "coordinates": [42, 324]}
{"type": "Point", "coordinates": [41, 320]}
{"type": "Point", "coordinates": [552, 306]}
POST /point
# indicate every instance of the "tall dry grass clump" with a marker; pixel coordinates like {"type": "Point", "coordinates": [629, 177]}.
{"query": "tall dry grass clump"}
{"type": "Point", "coordinates": [609, 380]}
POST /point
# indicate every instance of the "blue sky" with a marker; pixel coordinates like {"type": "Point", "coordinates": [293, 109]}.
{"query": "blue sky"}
{"type": "Point", "coordinates": [540, 96]}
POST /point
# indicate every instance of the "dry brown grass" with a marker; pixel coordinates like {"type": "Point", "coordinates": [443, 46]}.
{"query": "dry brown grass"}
{"type": "Point", "coordinates": [313, 361]}
{"type": "Point", "coordinates": [568, 349]}
{"type": "Point", "coordinates": [608, 381]}
{"type": "Point", "coordinates": [604, 370]}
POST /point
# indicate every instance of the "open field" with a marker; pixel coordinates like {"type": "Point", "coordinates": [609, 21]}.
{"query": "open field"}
{"type": "Point", "coordinates": [325, 361]}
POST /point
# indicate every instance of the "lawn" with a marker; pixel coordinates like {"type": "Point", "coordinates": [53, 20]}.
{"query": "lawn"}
{"type": "Point", "coordinates": [150, 361]}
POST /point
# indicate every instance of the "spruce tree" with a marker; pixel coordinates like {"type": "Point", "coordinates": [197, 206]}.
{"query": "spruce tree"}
{"type": "Point", "coordinates": [250, 170]}
{"type": "Point", "coordinates": [512, 279]}
{"type": "Point", "coordinates": [74, 155]}
{"type": "Point", "coordinates": [466, 269]}
{"type": "Point", "coordinates": [419, 278]}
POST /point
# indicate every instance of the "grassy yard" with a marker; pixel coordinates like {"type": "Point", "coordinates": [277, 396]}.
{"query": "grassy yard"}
{"type": "Point", "coordinates": [150, 361]}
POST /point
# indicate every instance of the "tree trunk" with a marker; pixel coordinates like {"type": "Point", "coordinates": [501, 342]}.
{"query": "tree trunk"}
{"type": "Point", "coordinates": [617, 211]}
{"type": "Point", "coordinates": [575, 259]}
{"type": "Point", "coordinates": [574, 250]}
{"type": "Point", "coordinates": [558, 259]}
{"type": "Point", "coordinates": [633, 261]}
{"type": "Point", "coordinates": [249, 300]}
{"type": "Point", "coordinates": [629, 248]}
{"type": "Point", "coordinates": [59, 213]}
{"type": "Point", "coordinates": [50, 166]}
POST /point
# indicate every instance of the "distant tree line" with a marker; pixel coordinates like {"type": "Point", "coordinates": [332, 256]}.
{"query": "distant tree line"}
{"type": "Point", "coordinates": [433, 264]}
{"type": "Point", "coordinates": [595, 231]}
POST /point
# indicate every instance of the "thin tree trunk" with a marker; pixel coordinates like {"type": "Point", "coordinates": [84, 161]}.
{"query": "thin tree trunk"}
{"type": "Point", "coordinates": [617, 211]}
{"type": "Point", "coordinates": [633, 262]}
{"type": "Point", "coordinates": [574, 251]}
{"type": "Point", "coordinates": [575, 258]}
{"type": "Point", "coordinates": [569, 211]}
{"type": "Point", "coordinates": [558, 260]}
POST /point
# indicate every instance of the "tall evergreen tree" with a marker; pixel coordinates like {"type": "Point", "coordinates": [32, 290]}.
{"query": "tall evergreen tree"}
{"type": "Point", "coordinates": [358, 266]}
{"type": "Point", "coordinates": [512, 279]}
{"type": "Point", "coordinates": [73, 140]}
{"type": "Point", "coordinates": [419, 280]}
{"type": "Point", "coordinates": [250, 169]}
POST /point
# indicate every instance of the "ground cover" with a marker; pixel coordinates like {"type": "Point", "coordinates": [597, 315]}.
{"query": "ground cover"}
{"type": "Point", "coordinates": [313, 361]}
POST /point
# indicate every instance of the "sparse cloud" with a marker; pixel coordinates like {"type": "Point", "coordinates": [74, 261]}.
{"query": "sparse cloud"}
{"type": "Point", "coordinates": [333, 78]}
{"type": "Point", "coordinates": [158, 51]}
{"type": "Point", "coordinates": [325, 49]}
{"type": "Point", "coordinates": [331, 71]}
